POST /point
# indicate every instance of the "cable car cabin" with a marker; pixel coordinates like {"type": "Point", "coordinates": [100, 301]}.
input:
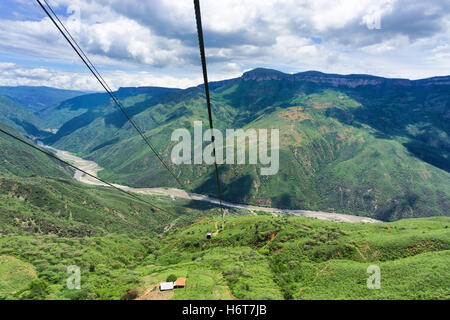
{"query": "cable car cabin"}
{"type": "Point", "coordinates": [208, 236]}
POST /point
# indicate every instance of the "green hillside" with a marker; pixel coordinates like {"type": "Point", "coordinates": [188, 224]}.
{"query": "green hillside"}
{"type": "Point", "coordinates": [48, 221]}
{"type": "Point", "coordinates": [80, 111]}
{"type": "Point", "coordinates": [15, 275]}
{"type": "Point", "coordinates": [20, 160]}
{"type": "Point", "coordinates": [356, 144]}
{"type": "Point", "coordinates": [300, 258]}
{"type": "Point", "coordinates": [16, 116]}
{"type": "Point", "coordinates": [254, 258]}
{"type": "Point", "coordinates": [39, 195]}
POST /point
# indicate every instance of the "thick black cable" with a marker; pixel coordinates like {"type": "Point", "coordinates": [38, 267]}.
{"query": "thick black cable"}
{"type": "Point", "coordinates": [76, 168]}
{"type": "Point", "coordinates": [198, 18]}
{"type": "Point", "coordinates": [106, 87]}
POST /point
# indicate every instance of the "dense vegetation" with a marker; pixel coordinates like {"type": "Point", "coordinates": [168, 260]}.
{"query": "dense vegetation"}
{"type": "Point", "coordinates": [20, 160]}
{"type": "Point", "coordinates": [254, 258]}
{"type": "Point", "coordinates": [300, 258]}
{"type": "Point", "coordinates": [49, 222]}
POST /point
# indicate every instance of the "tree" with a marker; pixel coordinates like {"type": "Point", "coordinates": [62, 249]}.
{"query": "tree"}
{"type": "Point", "coordinates": [172, 278]}
{"type": "Point", "coordinates": [38, 289]}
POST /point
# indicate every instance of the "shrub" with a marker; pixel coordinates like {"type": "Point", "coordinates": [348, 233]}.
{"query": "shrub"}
{"type": "Point", "coordinates": [38, 289]}
{"type": "Point", "coordinates": [130, 294]}
{"type": "Point", "coordinates": [171, 278]}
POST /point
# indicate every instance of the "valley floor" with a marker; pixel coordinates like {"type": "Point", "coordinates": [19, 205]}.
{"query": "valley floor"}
{"type": "Point", "coordinates": [93, 168]}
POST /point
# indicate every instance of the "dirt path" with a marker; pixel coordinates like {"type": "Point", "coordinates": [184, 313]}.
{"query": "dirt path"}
{"type": "Point", "coordinates": [93, 168]}
{"type": "Point", "coordinates": [217, 229]}
{"type": "Point", "coordinates": [153, 293]}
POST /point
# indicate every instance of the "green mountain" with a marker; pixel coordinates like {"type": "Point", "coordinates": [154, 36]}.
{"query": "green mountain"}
{"type": "Point", "coordinates": [36, 99]}
{"type": "Point", "coordinates": [15, 115]}
{"type": "Point", "coordinates": [82, 110]}
{"type": "Point", "coordinates": [356, 144]}
{"type": "Point", "coordinates": [297, 258]}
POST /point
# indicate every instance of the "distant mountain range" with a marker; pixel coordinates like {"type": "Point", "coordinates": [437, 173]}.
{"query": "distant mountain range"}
{"type": "Point", "coordinates": [18, 106]}
{"type": "Point", "coordinates": [38, 98]}
{"type": "Point", "coordinates": [357, 144]}
{"type": "Point", "coordinates": [352, 80]}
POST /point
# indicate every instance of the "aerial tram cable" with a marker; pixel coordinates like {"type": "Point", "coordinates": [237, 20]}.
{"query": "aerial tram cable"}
{"type": "Point", "coordinates": [103, 83]}
{"type": "Point", "coordinates": [76, 44]}
{"type": "Point", "coordinates": [198, 18]}
{"type": "Point", "coordinates": [51, 155]}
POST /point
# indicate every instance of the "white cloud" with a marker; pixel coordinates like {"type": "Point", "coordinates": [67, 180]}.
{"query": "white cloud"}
{"type": "Point", "coordinates": [388, 45]}
{"type": "Point", "coordinates": [6, 65]}
{"type": "Point", "coordinates": [231, 67]}
{"type": "Point", "coordinates": [12, 75]}
{"type": "Point", "coordinates": [159, 38]}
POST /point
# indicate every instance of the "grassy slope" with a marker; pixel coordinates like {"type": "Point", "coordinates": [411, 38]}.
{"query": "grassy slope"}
{"type": "Point", "coordinates": [67, 208]}
{"type": "Point", "coordinates": [311, 259]}
{"type": "Point", "coordinates": [21, 160]}
{"type": "Point", "coordinates": [14, 275]}
{"type": "Point", "coordinates": [256, 257]}
{"type": "Point", "coordinates": [53, 223]}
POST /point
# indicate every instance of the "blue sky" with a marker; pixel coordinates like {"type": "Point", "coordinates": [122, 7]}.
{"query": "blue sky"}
{"type": "Point", "coordinates": [137, 43]}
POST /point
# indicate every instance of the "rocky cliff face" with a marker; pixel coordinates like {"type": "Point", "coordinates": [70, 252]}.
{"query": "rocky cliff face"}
{"type": "Point", "coordinates": [434, 81]}
{"type": "Point", "coordinates": [335, 80]}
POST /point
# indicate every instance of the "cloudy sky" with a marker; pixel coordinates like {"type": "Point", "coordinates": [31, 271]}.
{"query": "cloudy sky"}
{"type": "Point", "coordinates": [154, 42]}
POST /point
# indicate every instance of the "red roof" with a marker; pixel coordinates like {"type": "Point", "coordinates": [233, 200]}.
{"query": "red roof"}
{"type": "Point", "coordinates": [180, 282]}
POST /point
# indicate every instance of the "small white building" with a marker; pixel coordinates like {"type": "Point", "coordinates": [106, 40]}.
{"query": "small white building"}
{"type": "Point", "coordinates": [164, 286]}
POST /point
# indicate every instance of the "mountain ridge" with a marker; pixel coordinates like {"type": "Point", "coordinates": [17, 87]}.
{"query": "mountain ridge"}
{"type": "Point", "coordinates": [37, 98]}
{"type": "Point", "coordinates": [350, 80]}
{"type": "Point", "coordinates": [253, 74]}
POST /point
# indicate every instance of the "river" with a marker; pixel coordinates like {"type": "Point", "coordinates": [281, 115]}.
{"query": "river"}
{"type": "Point", "coordinates": [93, 168]}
